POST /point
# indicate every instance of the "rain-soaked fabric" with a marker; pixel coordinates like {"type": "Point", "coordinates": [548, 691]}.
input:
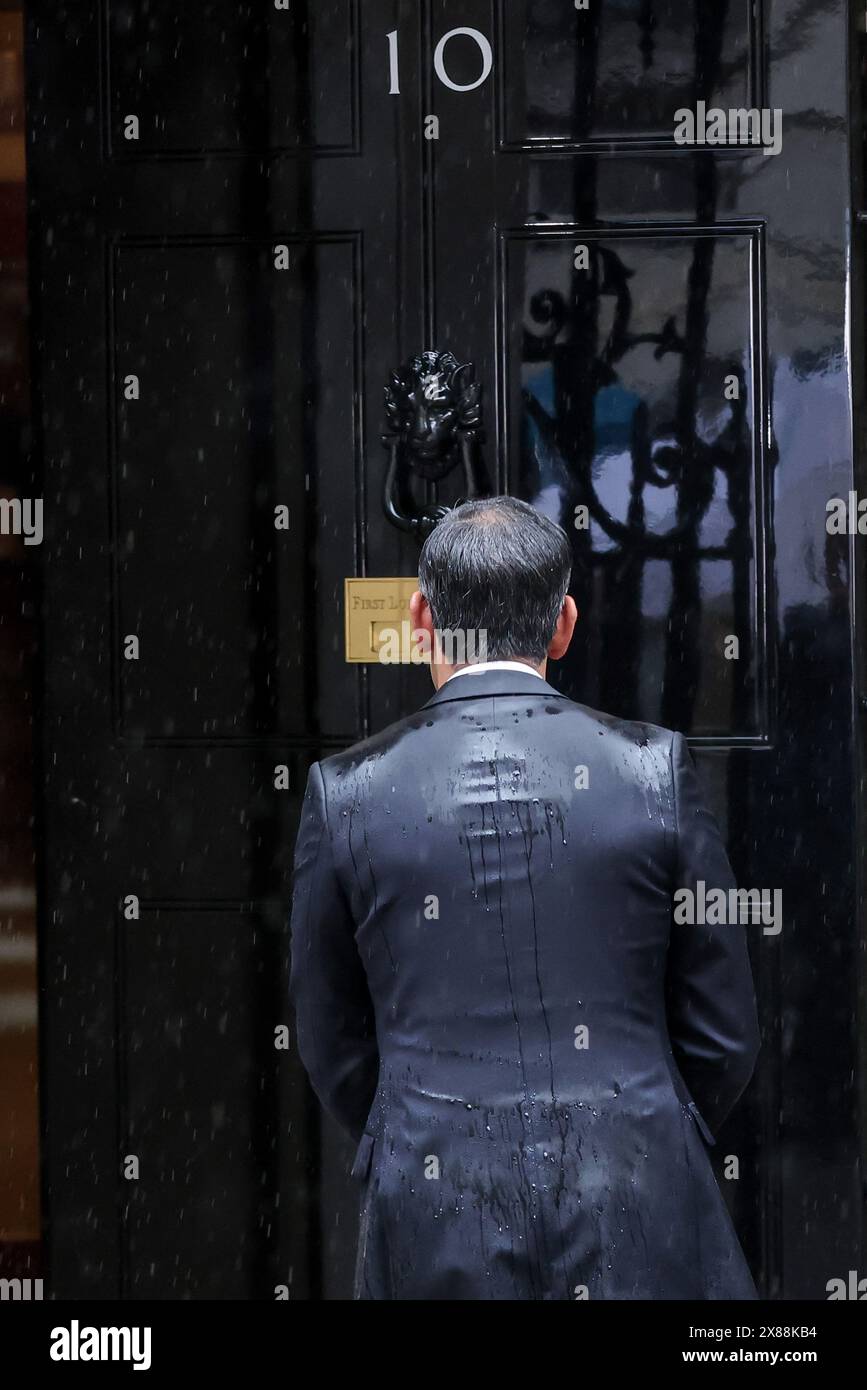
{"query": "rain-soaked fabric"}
{"type": "Point", "coordinates": [493, 998]}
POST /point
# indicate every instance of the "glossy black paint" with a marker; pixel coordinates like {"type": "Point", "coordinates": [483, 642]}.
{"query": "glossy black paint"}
{"type": "Point", "coordinates": [261, 387]}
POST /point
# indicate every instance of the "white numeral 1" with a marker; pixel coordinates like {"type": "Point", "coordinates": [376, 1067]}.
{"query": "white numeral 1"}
{"type": "Point", "coordinates": [394, 89]}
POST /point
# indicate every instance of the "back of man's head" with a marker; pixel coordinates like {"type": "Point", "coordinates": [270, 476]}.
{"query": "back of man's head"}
{"type": "Point", "coordinates": [497, 566]}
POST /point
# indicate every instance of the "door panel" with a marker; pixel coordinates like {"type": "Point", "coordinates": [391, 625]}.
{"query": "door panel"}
{"type": "Point", "coordinates": [618, 72]}
{"type": "Point", "coordinates": [186, 1092]}
{"type": "Point", "coordinates": [187, 76]}
{"type": "Point", "coordinates": [222, 288]}
{"type": "Point", "coordinates": [617, 379]}
{"type": "Point", "coordinates": [246, 404]}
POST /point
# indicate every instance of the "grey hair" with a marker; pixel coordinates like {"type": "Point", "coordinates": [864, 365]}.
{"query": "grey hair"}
{"type": "Point", "coordinates": [497, 566]}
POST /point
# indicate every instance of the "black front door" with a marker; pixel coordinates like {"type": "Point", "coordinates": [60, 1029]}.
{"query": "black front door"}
{"type": "Point", "coordinates": [243, 218]}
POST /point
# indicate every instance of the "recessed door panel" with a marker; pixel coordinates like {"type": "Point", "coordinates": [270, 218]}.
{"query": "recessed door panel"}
{"type": "Point", "coordinates": [617, 73]}
{"type": "Point", "coordinates": [633, 391]}
{"type": "Point", "coordinates": [223, 78]}
{"type": "Point", "coordinates": [235, 463]}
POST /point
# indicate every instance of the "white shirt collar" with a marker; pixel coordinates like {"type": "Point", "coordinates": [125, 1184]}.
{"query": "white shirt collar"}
{"type": "Point", "coordinates": [480, 667]}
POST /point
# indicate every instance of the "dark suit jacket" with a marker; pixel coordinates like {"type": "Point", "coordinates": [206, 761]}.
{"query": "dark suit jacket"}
{"type": "Point", "coordinates": [493, 998]}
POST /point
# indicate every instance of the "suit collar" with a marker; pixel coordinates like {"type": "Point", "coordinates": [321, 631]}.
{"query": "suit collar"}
{"type": "Point", "coordinates": [488, 683]}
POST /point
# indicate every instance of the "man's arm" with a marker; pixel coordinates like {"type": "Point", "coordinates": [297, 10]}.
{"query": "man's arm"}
{"type": "Point", "coordinates": [710, 998]}
{"type": "Point", "coordinates": [327, 983]}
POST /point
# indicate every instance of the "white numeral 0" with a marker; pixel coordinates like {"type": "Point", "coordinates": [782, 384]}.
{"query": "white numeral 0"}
{"type": "Point", "coordinates": [439, 61]}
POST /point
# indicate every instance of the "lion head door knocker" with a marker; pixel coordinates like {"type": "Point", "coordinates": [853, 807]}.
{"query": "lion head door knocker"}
{"type": "Point", "coordinates": [434, 424]}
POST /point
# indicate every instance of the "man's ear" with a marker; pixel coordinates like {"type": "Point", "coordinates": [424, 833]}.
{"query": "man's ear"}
{"type": "Point", "coordinates": [420, 614]}
{"type": "Point", "coordinates": [559, 643]}
{"type": "Point", "coordinates": [422, 621]}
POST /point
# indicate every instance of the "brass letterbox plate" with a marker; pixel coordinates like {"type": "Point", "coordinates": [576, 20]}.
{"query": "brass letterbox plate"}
{"type": "Point", "coordinates": [375, 608]}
